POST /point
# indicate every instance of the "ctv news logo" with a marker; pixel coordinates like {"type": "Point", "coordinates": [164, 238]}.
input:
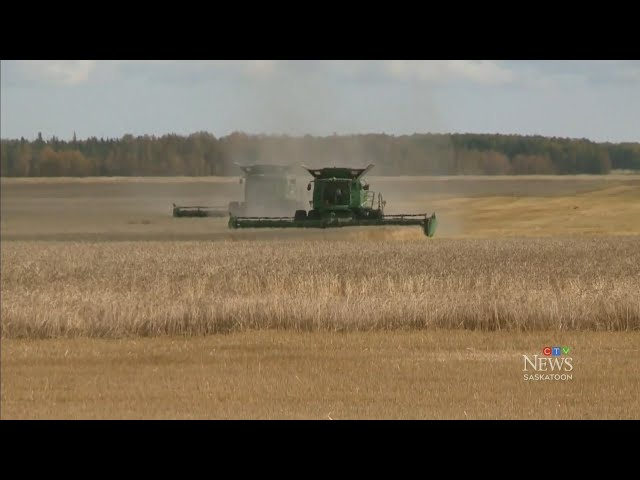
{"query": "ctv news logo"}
{"type": "Point", "coordinates": [554, 364]}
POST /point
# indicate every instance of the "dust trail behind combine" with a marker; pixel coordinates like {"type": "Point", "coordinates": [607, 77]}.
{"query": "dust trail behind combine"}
{"type": "Point", "coordinates": [302, 98]}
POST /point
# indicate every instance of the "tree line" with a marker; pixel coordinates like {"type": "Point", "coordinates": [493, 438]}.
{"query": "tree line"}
{"type": "Point", "coordinates": [202, 154]}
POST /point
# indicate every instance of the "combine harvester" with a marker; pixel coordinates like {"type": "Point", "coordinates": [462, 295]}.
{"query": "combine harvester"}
{"type": "Point", "coordinates": [340, 199]}
{"type": "Point", "coordinates": [268, 190]}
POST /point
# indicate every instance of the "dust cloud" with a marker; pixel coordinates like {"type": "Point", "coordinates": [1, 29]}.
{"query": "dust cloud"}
{"type": "Point", "coordinates": [312, 122]}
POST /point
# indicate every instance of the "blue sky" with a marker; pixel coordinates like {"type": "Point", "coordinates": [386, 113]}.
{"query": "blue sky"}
{"type": "Point", "coordinates": [598, 100]}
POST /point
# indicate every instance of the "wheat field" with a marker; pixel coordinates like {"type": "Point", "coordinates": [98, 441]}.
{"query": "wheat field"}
{"type": "Point", "coordinates": [111, 308]}
{"type": "Point", "coordinates": [59, 289]}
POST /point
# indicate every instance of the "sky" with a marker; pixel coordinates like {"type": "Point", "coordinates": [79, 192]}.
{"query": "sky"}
{"type": "Point", "coordinates": [598, 100]}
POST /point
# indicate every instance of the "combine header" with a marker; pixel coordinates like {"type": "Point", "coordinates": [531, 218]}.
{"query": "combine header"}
{"type": "Point", "coordinates": [340, 199]}
{"type": "Point", "coordinates": [198, 211]}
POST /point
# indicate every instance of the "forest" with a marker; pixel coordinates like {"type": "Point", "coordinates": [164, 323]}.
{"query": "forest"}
{"type": "Point", "coordinates": [203, 154]}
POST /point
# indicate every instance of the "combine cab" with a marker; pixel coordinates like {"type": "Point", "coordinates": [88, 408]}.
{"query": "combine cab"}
{"type": "Point", "coordinates": [340, 199]}
{"type": "Point", "coordinates": [269, 190]}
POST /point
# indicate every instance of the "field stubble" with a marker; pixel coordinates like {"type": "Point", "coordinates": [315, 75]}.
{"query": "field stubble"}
{"type": "Point", "coordinates": [435, 374]}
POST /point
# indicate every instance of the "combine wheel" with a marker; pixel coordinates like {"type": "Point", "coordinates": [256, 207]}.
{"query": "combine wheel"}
{"type": "Point", "coordinates": [376, 214]}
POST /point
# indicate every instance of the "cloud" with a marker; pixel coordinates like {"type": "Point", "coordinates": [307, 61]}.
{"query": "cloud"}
{"type": "Point", "coordinates": [69, 72]}
{"type": "Point", "coordinates": [190, 72]}
{"type": "Point", "coordinates": [58, 72]}
{"type": "Point", "coordinates": [576, 73]}
{"type": "Point", "coordinates": [484, 72]}
{"type": "Point", "coordinates": [193, 72]}
{"type": "Point", "coordinates": [514, 73]}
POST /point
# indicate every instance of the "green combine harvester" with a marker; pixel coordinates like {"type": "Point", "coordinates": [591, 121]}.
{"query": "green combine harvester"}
{"type": "Point", "coordinates": [340, 199]}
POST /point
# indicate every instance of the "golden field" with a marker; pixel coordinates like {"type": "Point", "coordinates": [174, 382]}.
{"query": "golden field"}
{"type": "Point", "coordinates": [516, 264]}
{"type": "Point", "coordinates": [320, 376]}
{"type": "Point", "coordinates": [118, 289]}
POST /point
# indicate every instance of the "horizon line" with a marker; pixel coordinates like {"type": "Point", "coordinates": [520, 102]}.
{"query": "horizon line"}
{"type": "Point", "coordinates": [309, 135]}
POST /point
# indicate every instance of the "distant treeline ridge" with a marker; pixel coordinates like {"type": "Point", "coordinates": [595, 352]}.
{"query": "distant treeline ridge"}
{"type": "Point", "coordinates": [202, 154]}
